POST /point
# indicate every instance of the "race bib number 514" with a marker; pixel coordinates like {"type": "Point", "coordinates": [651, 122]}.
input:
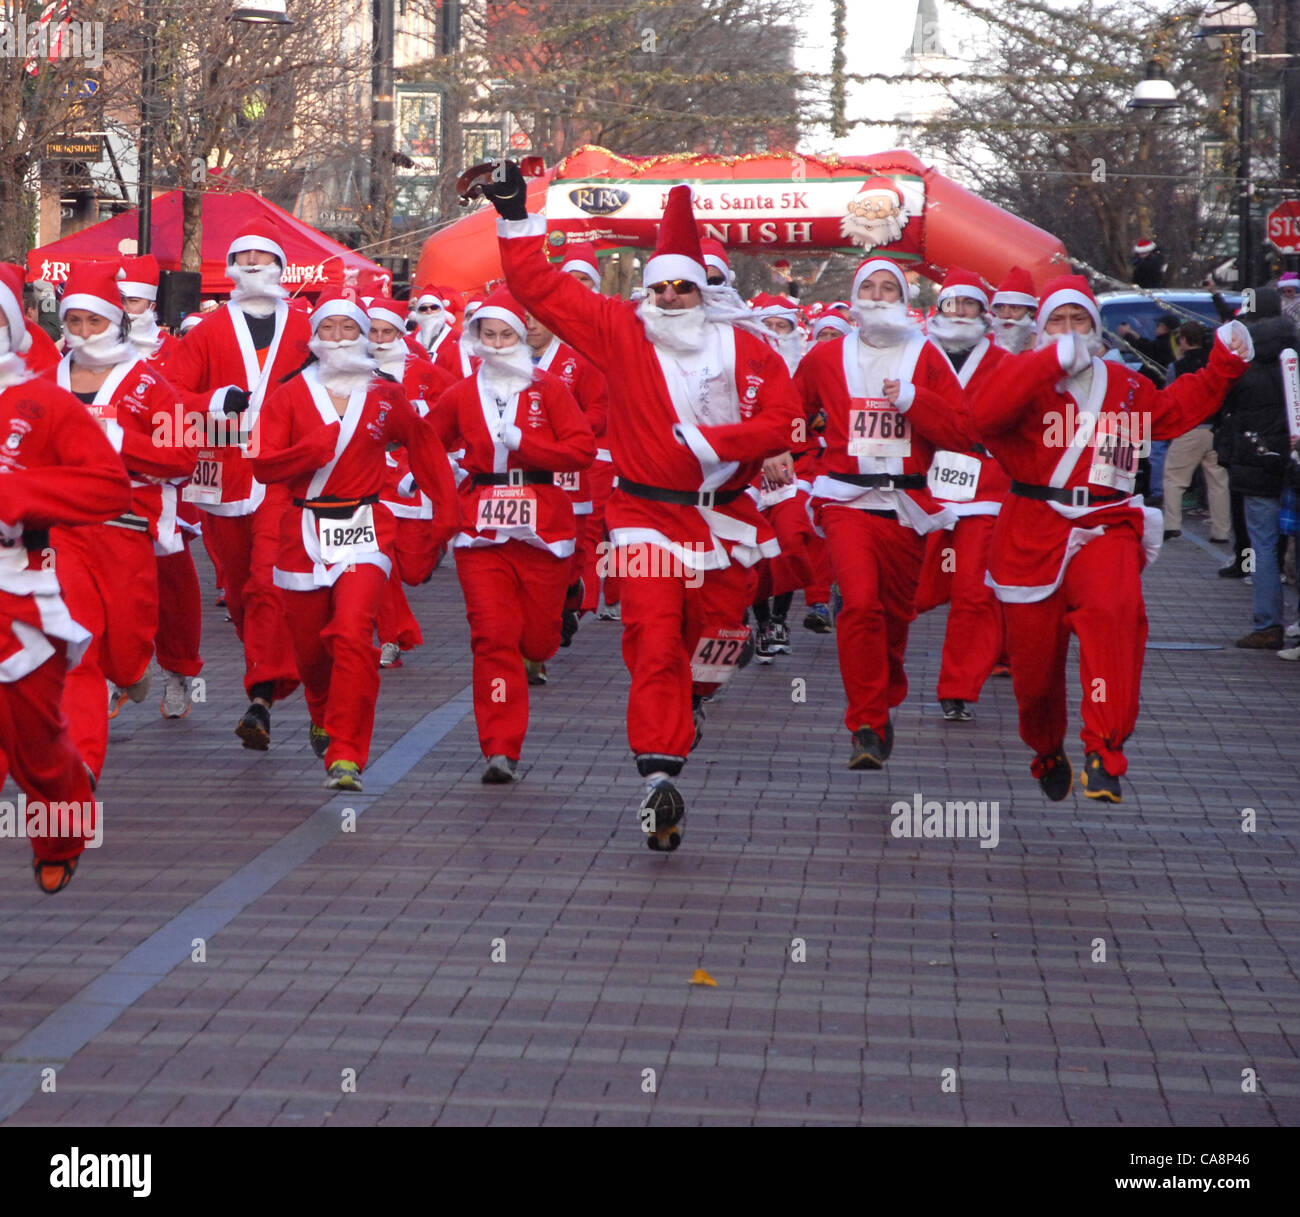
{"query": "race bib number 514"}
{"type": "Point", "coordinates": [877, 429]}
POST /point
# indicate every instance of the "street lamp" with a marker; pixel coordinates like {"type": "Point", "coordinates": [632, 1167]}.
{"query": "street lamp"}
{"type": "Point", "coordinates": [262, 12]}
{"type": "Point", "coordinates": [1154, 92]}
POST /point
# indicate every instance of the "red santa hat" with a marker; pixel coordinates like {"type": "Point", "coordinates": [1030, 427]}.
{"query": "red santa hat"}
{"type": "Point", "coordinates": [871, 265]}
{"type": "Point", "coordinates": [259, 233]}
{"type": "Point", "coordinates": [11, 306]}
{"type": "Point", "coordinates": [1016, 288]}
{"type": "Point", "coordinates": [430, 295]}
{"type": "Point", "coordinates": [339, 302]}
{"type": "Point", "coordinates": [962, 284]}
{"type": "Point", "coordinates": [1144, 247]}
{"type": "Point", "coordinates": [381, 308]}
{"type": "Point", "coordinates": [1068, 289]}
{"type": "Point", "coordinates": [581, 256]}
{"type": "Point", "coordinates": [93, 286]}
{"type": "Point", "coordinates": [830, 321]}
{"type": "Point", "coordinates": [715, 255]}
{"type": "Point", "coordinates": [769, 304]}
{"type": "Point", "coordinates": [189, 321]}
{"type": "Point", "coordinates": [677, 254]}
{"type": "Point", "coordinates": [139, 277]}
{"type": "Point", "coordinates": [502, 306]}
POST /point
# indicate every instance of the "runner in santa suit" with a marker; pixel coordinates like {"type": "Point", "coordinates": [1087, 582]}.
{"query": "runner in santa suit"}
{"type": "Point", "coordinates": [697, 400]}
{"type": "Point", "coordinates": [438, 334]}
{"type": "Point", "coordinates": [43, 353]}
{"type": "Point", "coordinates": [415, 550]}
{"type": "Point", "coordinates": [108, 572]}
{"type": "Point", "coordinates": [890, 399]}
{"type": "Point", "coordinates": [180, 599]}
{"type": "Point", "coordinates": [519, 427]}
{"type": "Point", "coordinates": [1072, 537]}
{"type": "Point", "coordinates": [56, 468]}
{"type": "Point", "coordinates": [229, 364]}
{"type": "Point", "coordinates": [324, 435]}
{"type": "Point", "coordinates": [972, 485]}
{"type": "Point", "coordinates": [1014, 308]}
{"type": "Point", "coordinates": [591, 391]}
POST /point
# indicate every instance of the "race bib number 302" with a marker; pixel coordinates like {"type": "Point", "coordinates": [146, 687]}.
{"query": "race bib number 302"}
{"type": "Point", "coordinates": [508, 507]}
{"type": "Point", "coordinates": [1114, 456]}
{"type": "Point", "coordinates": [877, 429]}
{"type": "Point", "coordinates": [716, 655]}
{"type": "Point", "coordinates": [344, 540]}
{"type": "Point", "coordinates": [205, 485]}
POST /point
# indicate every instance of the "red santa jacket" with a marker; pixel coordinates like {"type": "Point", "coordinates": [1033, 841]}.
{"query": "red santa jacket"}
{"type": "Point", "coordinates": [56, 467]}
{"type": "Point", "coordinates": [334, 470]}
{"type": "Point", "coordinates": [591, 391]}
{"type": "Point", "coordinates": [655, 438]}
{"type": "Point", "coordinates": [167, 347]}
{"type": "Point", "coordinates": [541, 432]}
{"type": "Point", "coordinates": [449, 355]}
{"type": "Point", "coordinates": [144, 420]}
{"type": "Point", "coordinates": [43, 353]}
{"type": "Point", "coordinates": [931, 414]}
{"type": "Point", "coordinates": [953, 471]}
{"type": "Point", "coordinates": [1043, 436]}
{"type": "Point", "coordinates": [219, 352]}
{"type": "Point", "coordinates": [416, 347]}
{"type": "Point", "coordinates": [423, 382]}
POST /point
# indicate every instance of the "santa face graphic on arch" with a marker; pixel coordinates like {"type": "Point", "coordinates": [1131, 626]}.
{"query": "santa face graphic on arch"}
{"type": "Point", "coordinates": [876, 215]}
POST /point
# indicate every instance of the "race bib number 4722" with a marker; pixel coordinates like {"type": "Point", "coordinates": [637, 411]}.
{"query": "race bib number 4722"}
{"type": "Point", "coordinates": [716, 655]}
{"type": "Point", "coordinates": [877, 429]}
{"type": "Point", "coordinates": [508, 507]}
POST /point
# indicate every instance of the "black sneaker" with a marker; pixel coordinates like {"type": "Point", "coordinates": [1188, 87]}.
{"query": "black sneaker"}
{"type": "Point", "coordinates": [320, 741]}
{"type": "Point", "coordinates": [868, 750]}
{"type": "Point", "coordinates": [955, 710]}
{"type": "Point", "coordinates": [1097, 783]}
{"type": "Point", "coordinates": [764, 651]}
{"type": "Point", "coordinates": [661, 814]}
{"type": "Point", "coordinates": [1233, 570]}
{"type": "Point", "coordinates": [568, 627]}
{"type": "Point", "coordinates": [1172, 533]}
{"type": "Point", "coordinates": [888, 746]}
{"type": "Point", "coordinates": [500, 770]}
{"type": "Point", "coordinates": [818, 619]}
{"type": "Point", "coordinates": [255, 728]}
{"type": "Point", "coordinates": [1057, 780]}
{"type": "Point", "coordinates": [697, 712]}
{"type": "Point", "coordinates": [780, 636]}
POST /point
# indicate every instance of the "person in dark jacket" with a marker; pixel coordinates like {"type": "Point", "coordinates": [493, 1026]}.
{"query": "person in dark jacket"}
{"type": "Point", "coordinates": [1195, 448]}
{"type": "Point", "coordinates": [1253, 443]}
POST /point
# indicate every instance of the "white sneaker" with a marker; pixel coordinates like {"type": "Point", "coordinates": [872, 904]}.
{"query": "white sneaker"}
{"type": "Point", "coordinates": [1292, 631]}
{"type": "Point", "coordinates": [1291, 653]}
{"type": "Point", "coordinates": [390, 655]}
{"type": "Point", "coordinates": [608, 612]}
{"type": "Point", "coordinates": [176, 695]}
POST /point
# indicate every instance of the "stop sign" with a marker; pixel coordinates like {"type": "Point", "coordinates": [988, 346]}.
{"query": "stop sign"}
{"type": "Point", "coordinates": [1284, 226]}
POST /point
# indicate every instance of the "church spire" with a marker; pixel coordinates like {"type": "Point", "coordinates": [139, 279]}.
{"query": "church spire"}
{"type": "Point", "coordinates": [925, 36]}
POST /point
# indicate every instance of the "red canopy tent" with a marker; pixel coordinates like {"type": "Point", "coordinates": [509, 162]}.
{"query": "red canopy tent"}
{"type": "Point", "coordinates": [314, 259]}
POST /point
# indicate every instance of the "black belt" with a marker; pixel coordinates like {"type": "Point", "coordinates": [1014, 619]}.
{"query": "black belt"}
{"type": "Point", "coordinates": [1071, 496]}
{"type": "Point", "coordinates": [688, 498]}
{"type": "Point", "coordinates": [331, 508]}
{"type": "Point", "coordinates": [36, 538]}
{"type": "Point", "coordinates": [133, 522]}
{"type": "Point", "coordinates": [882, 481]}
{"type": "Point", "coordinates": [514, 477]}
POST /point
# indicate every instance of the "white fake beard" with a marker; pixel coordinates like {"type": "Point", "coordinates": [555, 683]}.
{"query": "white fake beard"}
{"type": "Point", "coordinates": [870, 234]}
{"type": "Point", "coordinates": [343, 366]}
{"type": "Point", "coordinates": [1013, 336]}
{"type": "Point", "coordinates": [1093, 343]}
{"type": "Point", "coordinates": [504, 371]}
{"type": "Point", "coordinates": [13, 368]}
{"type": "Point", "coordinates": [390, 356]}
{"type": "Point", "coordinates": [101, 351]}
{"type": "Point", "coordinates": [883, 323]}
{"type": "Point", "coordinates": [957, 333]}
{"type": "Point", "coordinates": [257, 288]}
{"type": "Point", "coordinates": [675, 330]}
{"type": "Point", "coordinates": [791, 348]}
{"type": "Point", "coordinates": [431, 325]}
{"type": "Point", "coordinates": [145, 335]}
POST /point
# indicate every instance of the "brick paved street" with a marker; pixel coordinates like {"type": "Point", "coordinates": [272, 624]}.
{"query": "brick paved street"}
{"type": "Point", "coordinates": [372, 951]}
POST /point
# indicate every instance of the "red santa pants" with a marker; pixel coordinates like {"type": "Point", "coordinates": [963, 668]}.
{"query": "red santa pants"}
{"type": "Point", "coordinates": [877, 564]}
{"type": "Point", "coordinates": [664, 613]}
{"type": "Point", "coordinates": [955, 562]}
{"type": "Point", "coordinates": [333, 631]}
{"type": "Point", "coordinates": [180, 614]}
{"type": "Point", "coordinates": [514, 594]}
{"type": "Point", "coordinates": [37, 747]}
{"type": "Point", "coordinates": [1100, 601]}
{"type": "Point", "coordinates": [395, 621]}
{"type": "Point", "coordinates": [246, 548]}
{"type": "Point", "coordinates": [578, 564]}
{"type": "Point", "coordinates": [415, 555]}
{"type": "Point", "coordinates": [109, 578]}
{"type": "Point", "coordinates": [601, 479]}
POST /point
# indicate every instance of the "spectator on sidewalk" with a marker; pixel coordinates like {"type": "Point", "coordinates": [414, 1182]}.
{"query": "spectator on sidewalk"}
{"type": "Point", "coordinates": [1254, 445]}
{"type": "Point", "coordinates": [1196, 447]}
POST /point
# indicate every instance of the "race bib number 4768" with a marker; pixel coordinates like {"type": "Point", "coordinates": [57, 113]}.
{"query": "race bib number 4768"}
{"type": "Point", "coordinates": [877, 429]}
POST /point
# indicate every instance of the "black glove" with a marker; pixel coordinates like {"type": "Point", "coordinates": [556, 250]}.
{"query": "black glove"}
{"type": "Point", "coordinates": [507, 191]}
{"type": "Point", "coordinates": [235, 401]}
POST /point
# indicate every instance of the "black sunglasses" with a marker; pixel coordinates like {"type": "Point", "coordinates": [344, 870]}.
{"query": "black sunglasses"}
{"type": "Point", "coordinates": [683, 287]}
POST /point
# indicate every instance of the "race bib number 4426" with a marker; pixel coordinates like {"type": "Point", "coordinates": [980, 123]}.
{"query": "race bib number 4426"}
{"type": "Point", "coordinates": [877, 429]}
{"type": "Point", "coordinates": [508, 507]}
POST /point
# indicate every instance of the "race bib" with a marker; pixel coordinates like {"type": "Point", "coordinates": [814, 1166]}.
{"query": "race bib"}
{"type": "Point", "coordinates": [205, 485]}
{"type": "Point", "coordinates": [343, 540]}
{"type": "Point", "coordinates": [1114, 455]}
{"type": "Point", "coordinates": [877, 429]}
{"type": "Point", "coordinates": [572, 481]}
{"type": "Point", "coordinates": [716, 655]}
{"type": "Point", "coordinates": [508, 507]}
{"type": "Point", "coordinates": [770, 494]}
{"type": "Point", "coordinates": [953, 476]}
